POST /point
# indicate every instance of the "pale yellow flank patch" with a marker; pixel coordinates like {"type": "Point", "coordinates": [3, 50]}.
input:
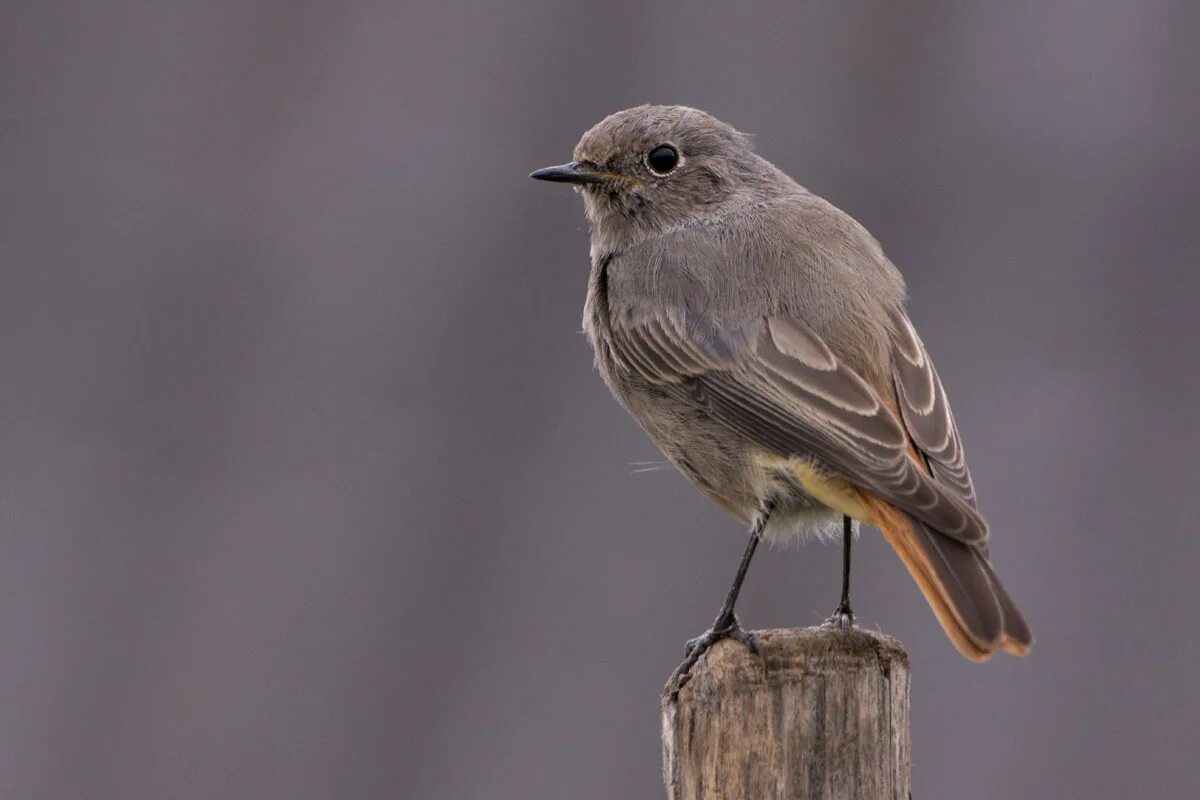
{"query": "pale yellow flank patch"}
{"type": "Point", "coordinates": [830, 490]}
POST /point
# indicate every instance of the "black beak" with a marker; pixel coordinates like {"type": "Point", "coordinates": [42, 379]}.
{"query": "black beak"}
{"type": "Point", "coordinates": [575, 172]}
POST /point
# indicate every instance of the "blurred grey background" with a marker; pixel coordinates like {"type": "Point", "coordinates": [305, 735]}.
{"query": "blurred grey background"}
{"type": "Point", "coordinates": [308, 488]}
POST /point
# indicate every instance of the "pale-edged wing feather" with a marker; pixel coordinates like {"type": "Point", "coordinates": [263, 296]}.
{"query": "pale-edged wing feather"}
{"type": "Point", "coordinates": [776, 382]}
{"type": "Point", "coordinates": [926, 412]}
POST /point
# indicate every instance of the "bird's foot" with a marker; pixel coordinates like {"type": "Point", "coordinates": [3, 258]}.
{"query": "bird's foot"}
{"type": "Point", "coordinates": [725, 627]}
{"type": "Point", "coordinates": [842, 617]}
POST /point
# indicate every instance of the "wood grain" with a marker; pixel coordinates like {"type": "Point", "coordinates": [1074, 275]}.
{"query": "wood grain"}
{"type": "Point", "coordinates": [827, 718]}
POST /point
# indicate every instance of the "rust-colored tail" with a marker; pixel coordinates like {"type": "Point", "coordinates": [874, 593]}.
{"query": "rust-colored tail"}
{"type": "Point", "coordinates": [959, 584]}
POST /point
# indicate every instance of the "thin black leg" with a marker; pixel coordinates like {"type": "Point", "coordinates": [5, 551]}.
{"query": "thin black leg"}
{"type": "Point", "coordinates": [843, 617]}
{"type": "Point", "coordinates": [725, 616]}
{"type": "Point", "coordinates": [726, 625]}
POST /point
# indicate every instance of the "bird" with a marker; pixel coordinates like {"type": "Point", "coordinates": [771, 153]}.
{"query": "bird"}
{"type": "Point", "coordinates": [758, 334]}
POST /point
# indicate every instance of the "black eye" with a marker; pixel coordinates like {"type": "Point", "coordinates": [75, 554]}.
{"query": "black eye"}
{"type": "Point", "coordinates": [662, 159]}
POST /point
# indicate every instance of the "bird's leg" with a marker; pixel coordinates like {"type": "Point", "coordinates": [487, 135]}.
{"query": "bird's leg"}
{"type": "Point", "coordinates": [843, 617]}
{"type": "Point", "coordinates": [726, 625]}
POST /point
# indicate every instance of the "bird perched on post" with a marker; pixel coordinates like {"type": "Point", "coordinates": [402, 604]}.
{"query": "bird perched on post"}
{"type": "Point", "coordinates": [758, 334]}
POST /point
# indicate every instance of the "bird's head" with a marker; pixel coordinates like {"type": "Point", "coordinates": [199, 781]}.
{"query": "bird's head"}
{"type": "Point", "coordinates": [652, 168]}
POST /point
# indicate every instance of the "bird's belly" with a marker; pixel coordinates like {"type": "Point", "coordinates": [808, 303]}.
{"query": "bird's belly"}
{"type": "Point", "coordinates": [734, 472]}
{"type": "Point", "coordinates": [708, 453]}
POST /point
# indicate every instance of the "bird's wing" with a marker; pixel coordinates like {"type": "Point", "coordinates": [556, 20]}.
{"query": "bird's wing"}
{"type": "Point", "coordinates": [777, 383]}
{"type": "Point", "coordinates": [925, 412]}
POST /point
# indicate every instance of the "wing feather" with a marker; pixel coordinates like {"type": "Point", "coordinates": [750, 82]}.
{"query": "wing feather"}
{"type": "Point", "coordinates": [777, 383]}
{"type": "Point", "coordinates": [926, 413]}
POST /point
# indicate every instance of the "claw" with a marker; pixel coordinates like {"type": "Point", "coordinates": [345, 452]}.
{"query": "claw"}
{"type": "Point", "coordinates": [842, 618]}
{"type": "Point", "coordinates": [748, 639]}
{"type": "Point", "coordinates": [722, 629]}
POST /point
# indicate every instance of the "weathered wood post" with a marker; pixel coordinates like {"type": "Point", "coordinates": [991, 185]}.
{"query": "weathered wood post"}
{"type": "Point", "coordinates": [828, 718]}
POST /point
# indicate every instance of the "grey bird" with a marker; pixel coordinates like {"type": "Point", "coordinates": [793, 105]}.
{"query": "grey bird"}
{"type": "Point", "coordinates": [758, 335]}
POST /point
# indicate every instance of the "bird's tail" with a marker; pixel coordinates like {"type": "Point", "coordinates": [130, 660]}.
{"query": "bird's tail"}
{"type": "Point", "coordinates": [959, 584]}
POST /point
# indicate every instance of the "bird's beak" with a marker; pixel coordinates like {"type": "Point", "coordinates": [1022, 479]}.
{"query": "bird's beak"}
{"type": "Point", "coordinates": [576, 172]}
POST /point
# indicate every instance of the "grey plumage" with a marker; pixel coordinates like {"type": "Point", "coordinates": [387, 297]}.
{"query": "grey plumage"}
{"type": "Point", "coordinates": [757, 333]}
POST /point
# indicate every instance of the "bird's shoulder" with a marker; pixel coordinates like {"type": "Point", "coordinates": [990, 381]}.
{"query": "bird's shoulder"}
{"type": "Point", "coordinates": [796, 255]}
{"type": "Point", "coordinates": [774, 243]}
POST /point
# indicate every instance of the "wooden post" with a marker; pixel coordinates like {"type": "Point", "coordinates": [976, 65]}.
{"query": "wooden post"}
{"type": "Point", "coordinates": [828, 719]}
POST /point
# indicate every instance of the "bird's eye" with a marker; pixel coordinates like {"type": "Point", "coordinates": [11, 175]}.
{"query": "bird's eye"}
{"type": "Point", "coordinates": [662, 159]}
